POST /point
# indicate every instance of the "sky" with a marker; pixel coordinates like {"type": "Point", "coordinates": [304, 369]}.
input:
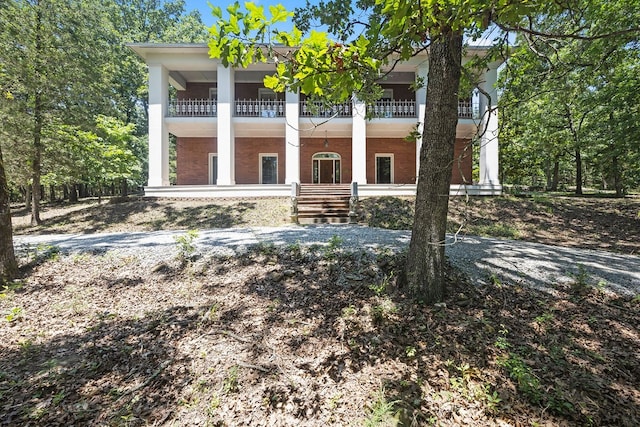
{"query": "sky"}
{"type": "Point", "coordinates": [205, 10]}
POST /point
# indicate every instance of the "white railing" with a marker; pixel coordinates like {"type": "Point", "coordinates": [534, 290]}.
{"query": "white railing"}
{"type": "Point", "coordinates": [393, 108]}
{"type": "Point", "coordinates": [258, 108]}
{"type": "Point", "coordinates": [465, 109]}
{"type": "Point", "coordinates": [265, 108]}
{"type": "Point", "coordinates": [318, 109]}
{"type": "Point", "coordinates": [193, 108]}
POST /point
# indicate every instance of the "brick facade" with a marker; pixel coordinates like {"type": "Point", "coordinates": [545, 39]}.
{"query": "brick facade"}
{"type": "Point", "coordinates": [192, 160]}
{"type": "Point", "coordinates": [404, 159]}
{"type": "Point", "coordinates": [462, 162]}
{"type": "Point", "coordinates": [248, 152]}
{"type": "Point", "coordinates": [311, 146]}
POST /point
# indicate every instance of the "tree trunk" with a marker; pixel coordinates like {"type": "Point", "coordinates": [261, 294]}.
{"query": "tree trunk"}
{"type": "Point", "coordinates": [27, 198]}
{"type": "Point", "coordinates": [617, 177]}
{"type": "Point", "coordinates": [52, 193]}
{"type": "Point", "coordinates": [35, 176]}
{"type": "Point", "coordinates": [73, 193]}
{"type": "Point", "coordinates": [38, 119]}
{"type": "Point", "coordinates": [578, 172]}
{"type": "Point", "coordinates": [124, 189]}
{"type": "Point", "coordinates": [424, 274]}
{"type": "Point", "coordinates": [556, 175]}
{"type": "Point", "coordinates": [8, 264]}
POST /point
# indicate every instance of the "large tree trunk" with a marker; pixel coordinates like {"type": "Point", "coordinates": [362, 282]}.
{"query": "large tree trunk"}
{"type": "Point", "coordinates": [424, 275]}
{"type": "Point", "coordinates": [8, 264]}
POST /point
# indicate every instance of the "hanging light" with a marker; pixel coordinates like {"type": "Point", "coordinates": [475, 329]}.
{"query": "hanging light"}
{"type": "Point", "coordinates": [326, 141]}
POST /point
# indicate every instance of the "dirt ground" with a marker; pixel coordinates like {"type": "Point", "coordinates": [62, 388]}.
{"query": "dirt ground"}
{"type": "Point", "coordinates": [311, 336]}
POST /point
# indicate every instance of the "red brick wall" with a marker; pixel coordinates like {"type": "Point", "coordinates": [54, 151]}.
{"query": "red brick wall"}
{"type": "Point", "coordinates": [248, 158]}
{"type": "Point", "coordinates": [310, 146]}
{"type": "Point", "coordinates": [196, 91]}
{"type": "Point", "coordinates": [404, 159]}
{"type": "Point", "coordinates": [462, 162]}
{"type": "Point", "coordinates": [192, 154]}
{"type": "Point", "coordinates": [193, 159]}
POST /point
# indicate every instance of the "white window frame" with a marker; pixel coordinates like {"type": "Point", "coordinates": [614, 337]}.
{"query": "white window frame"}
{"type": "Point", "coordinates": [211, 157]}
{"type": "Point", "coordinates": [260, 156]}
{"type": "Point", "coordinates": [392, 165]}
{"type": "Point", "coordinates": [213, 93]}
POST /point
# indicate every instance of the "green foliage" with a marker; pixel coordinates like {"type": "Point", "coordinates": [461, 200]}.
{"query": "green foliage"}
{"type": "Point", "coordinates": [16, 313]}
{"type": "Point", "coordinates": [185, 243]}
{"type": "Point", "coordinates": [230, 383]}
{"type": "Point", "coordinates": [381, 412]}
{"type": "Point", "coordinates": [526, 381]}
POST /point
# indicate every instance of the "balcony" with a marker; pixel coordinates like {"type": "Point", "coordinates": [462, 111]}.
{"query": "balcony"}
{"type": "Point", "coordinates": [193, 108]}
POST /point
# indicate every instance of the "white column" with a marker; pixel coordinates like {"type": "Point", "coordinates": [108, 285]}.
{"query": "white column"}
{"type": "Point", "coordinates": [422, 73]}
{"type": "Point", "coordinates": [226, 135]}
{"type": "Point", "coordinates": [158, 134]}
{"type": "Point", "coordinates": [359, 142]}
{"type": "Point", "coordinates": [489, 159]}
{"type": "Point", "coordinates": [292, 138]}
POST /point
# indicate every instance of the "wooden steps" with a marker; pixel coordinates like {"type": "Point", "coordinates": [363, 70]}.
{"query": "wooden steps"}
{"type": "Point", "coordinates": [324, 203]}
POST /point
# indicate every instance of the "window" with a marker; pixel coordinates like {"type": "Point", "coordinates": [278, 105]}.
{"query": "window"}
{"type": "Point", "coordinates": [268, 168]}
{"type": "Point", "coordinates": [213, 168]}
{"type": "Point", "coordinates": [213, 93]}
{"type": "Point", "coordinates": [384, 168]}
{"type": "Point", "coordinates": [387, 94]}
{"type": "Point", "coordinates": [265, 94]}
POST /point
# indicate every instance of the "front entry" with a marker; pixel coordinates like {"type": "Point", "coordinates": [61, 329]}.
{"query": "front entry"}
{"type": "Point", "coordinates": [326, 168]}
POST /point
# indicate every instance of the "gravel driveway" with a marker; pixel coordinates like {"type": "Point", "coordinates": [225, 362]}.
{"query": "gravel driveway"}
{"type": "Point", "coordinates": [511, 261]}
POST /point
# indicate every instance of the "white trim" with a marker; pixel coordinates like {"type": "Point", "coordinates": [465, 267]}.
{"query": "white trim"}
{"type": "Point", "coordinates": [392, 166]}
{"type": "Point", "coordinates": [260, 157]}
{"type": "Point", "coordinates": [211, 157]}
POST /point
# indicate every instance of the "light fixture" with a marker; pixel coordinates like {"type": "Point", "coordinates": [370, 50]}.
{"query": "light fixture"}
{"type": "Point", "coordinates": [326, 141]}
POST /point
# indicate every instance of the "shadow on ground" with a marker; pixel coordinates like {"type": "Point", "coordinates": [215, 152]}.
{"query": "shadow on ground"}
{"type": "Point", "coordinates": [321, 337]}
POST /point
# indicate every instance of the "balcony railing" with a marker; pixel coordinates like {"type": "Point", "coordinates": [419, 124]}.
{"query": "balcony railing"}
{"type": "Point", "coordinates": [392, 108]}
{"type": "Point", "coordinates": [465, 109]}
{"type": "Point", "coordinates": [193, 108]}
{"type": "Point", "coordinates": [318, 109]}
{"type": "Point", "coordinates": [259, 108]}
{"type": "Point", "coordinates": [264, 108]}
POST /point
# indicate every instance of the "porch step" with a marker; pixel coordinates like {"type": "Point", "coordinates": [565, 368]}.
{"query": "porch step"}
{"type": "Point", "coordinates": [324, 203]}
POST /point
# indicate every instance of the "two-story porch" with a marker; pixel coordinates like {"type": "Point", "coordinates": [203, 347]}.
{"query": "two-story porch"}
{"type": "Point", "coordinates": [237, 138]}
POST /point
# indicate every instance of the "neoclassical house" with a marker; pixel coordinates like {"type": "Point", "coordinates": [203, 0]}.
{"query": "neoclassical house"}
{"type": "Point", "coordinates": [237, 138]}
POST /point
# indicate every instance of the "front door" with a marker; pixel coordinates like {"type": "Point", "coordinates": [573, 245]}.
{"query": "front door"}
{"type": "Point", "coordinates": [326, 168]}
{"type": "Point", "coordinates": [326, 172]}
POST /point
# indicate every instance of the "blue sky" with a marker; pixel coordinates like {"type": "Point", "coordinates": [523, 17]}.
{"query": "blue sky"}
{"type": "Point", "coordinates": [205, 10]}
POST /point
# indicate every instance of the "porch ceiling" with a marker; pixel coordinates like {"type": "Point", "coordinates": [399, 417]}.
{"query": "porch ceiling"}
{"type": "Point", "coordinates": [194, 127]}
